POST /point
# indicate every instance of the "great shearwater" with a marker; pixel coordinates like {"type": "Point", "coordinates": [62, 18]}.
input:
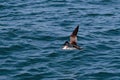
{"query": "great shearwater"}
{"type": "Point", "coordinates": [73, 40]}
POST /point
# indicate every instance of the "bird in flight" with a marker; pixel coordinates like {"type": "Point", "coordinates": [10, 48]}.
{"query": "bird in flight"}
{"type": "Point", "coordinates": [72, 44]}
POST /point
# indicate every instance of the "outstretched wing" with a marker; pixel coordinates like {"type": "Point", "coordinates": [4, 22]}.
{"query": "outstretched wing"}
{"type": "Point", "coordinates": [73, 36]}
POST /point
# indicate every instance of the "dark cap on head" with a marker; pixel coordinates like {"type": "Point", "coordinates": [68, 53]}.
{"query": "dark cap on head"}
{"type": "Point", "coordinates": [66, 43]}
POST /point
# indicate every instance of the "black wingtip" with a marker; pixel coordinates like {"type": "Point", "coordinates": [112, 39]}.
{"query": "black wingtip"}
{"type": "Point", "coordinates": [77, 26]}
{"type": "Point", "coordinates": [75, 30]}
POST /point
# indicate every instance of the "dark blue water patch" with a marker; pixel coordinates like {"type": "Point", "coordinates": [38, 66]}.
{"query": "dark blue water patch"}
{"type": "Point", "coordinates": [46, 38]}
{"type": "Point", "coordinates": [97, 15]}
{"type": "Point", "coordinates": [8, 35]}
{"type": "Point", "coordinates": [108, 33]}
{"type": "Point", "coordinates": [57, 4]}
{"type": "Point", "coordinates": [19, 4]}
{"type": "Point", "coordinates": [101, 2]}
{"type": "Point", "coordinates": [15, 16]}
{"type": "Point", "coordinates": [52, 55]}
{"type": "Point", "coordinates": [41, 75]}
{"type": "Point", "coordinates": [115, 66]}
{"type": "Point", "coordinates": [10, 48]}
{"type": "Point", "coordinates": [30, 62]}
{"type": "Point", "coordinates": [102, 47]}
{"type": "Point", "coordinates": [15, 47]}
{"type": "Point", "coordinates": [13, 32]}
{"type": "Point", "coordinates": [111, 42]}
{"type": "Point", "coordinates": [24, 76]}
{"type": "Point", "coordinates": [68, 65]}
{"type": "Point", "coordinates": [39, 70]}
{"type": "Point", "coordinates": [5, 71]}
{"type": "Point", "coordinates": [47, 75]}
{"type": "Point", "coordinates": [66, 23]}
{"type": "Point", "coordinates": [2, 6]}
{"type": "Point", "coordinates": [112, 32]}
{"type": "Point", "coordinates": [66, 79]}
{"type": "Point", "coordinates": [102, 75]}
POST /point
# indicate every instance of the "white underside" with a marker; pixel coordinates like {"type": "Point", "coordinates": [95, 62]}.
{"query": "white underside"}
{"type": "Point", "coordinates": [68, 48]}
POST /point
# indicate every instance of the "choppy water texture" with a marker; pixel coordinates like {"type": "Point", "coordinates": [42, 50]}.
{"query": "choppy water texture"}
{"type": "Point", "coordinates": [32, 33]}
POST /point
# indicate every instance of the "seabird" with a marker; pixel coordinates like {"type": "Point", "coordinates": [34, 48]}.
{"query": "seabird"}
{"type": "Point", "coordinates": [73, 40]}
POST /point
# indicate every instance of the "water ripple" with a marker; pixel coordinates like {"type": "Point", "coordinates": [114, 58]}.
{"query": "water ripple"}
{"type": "Point", "coordinates": [32, 34]}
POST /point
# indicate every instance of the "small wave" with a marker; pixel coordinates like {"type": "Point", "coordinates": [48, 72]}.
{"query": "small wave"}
{"type": "Point", "coordinates": [105, 74]}
{"type": "Point", "coordinates": [103, 47]}
{"type": "Point", "coordinates": [112, 32]}
{"type": "Point", "coordinates": [100, 2]}
{"type": "Point", "coordinates": [100, 75]}
{"type": "Point", "coordinates": [24, 75]}
{"type": "Point", "coordinates": [5, 71]}
{"type": "Point", "coordinates": [2, 6]}
{"type": "Point", "coordinates": [98, 14]}
{"type": "Point", "coordinates": [17, 47]}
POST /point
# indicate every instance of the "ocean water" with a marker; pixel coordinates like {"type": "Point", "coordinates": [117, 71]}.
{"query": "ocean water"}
{"type": "Point", "coordinates": [32, 33]}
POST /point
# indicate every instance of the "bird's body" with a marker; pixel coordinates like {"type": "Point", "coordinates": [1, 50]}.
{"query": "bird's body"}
{"type": "Point", "coordinates": [68, 46]}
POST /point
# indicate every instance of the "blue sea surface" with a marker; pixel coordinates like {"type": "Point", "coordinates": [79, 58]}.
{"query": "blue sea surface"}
{"type": "Point", "coordinates": [32, 33]}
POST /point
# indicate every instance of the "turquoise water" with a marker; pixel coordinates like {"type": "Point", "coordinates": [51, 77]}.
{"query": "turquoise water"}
{"type": "Point", "coordinates": [32, 33]}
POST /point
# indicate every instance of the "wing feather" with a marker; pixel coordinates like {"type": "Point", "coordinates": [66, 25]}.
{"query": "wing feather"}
{"type": "Point", "coordinates": [73, 36]}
